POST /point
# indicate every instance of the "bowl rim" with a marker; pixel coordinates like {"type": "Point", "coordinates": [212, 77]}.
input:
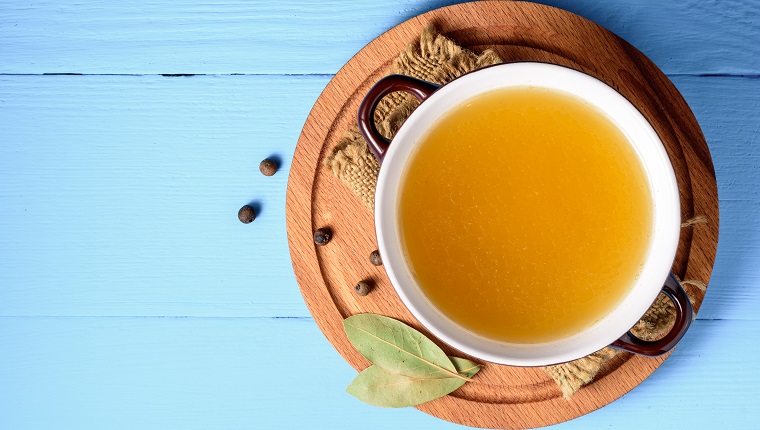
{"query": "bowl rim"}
{"type": "Point", "coordinates": [651, 152]}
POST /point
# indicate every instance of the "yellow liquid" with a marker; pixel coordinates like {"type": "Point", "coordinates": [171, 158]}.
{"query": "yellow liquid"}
{"type": "Point", "coordinates": [525, 215]}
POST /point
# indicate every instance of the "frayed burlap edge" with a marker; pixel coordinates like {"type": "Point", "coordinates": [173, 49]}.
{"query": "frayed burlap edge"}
{"type": "Point", "coordinates": [433, 58]}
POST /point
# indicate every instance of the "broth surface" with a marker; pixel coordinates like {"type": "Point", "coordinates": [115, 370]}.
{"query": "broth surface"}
{"type": "Point", "coordinates": [525, 215]}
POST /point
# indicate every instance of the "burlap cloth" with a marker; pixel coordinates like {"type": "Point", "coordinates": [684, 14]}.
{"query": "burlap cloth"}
{"type": "Point", "coordinates": [436, 59]}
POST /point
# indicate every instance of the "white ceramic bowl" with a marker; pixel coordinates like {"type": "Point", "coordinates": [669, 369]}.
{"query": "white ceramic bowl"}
{"type": "Point", "coordinates": [643, 138]}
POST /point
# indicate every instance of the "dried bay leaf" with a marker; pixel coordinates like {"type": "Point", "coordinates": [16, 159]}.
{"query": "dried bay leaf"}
{"type": "Point", "coordinates": [466, 368]}
{"type": "Point", "coordinates": [379, 387]}
{"type": "Point", "coordinates": [398, 348]}
{"type": "Point", "coordinates": [409, 369]}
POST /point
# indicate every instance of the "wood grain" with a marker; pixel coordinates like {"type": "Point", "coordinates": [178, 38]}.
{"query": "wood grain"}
{"type": "Point", "coordinates": [299, 36]}
{"type": "Point", "coordinates": [120, 193]}
{"type": "Point", "coordinates": [221, 373]}
{"type": "Point", "coordinates": [508, 396]}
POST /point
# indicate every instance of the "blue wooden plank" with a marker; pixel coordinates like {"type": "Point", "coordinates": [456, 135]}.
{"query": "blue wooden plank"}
{"type": "Point", "coordinates": [733, 292]}
{"type": "Point", "coordinates": [726, 109]}
{"type": "Point", "coordinates": [299, 36]}
{"type": "Point", "coordinates": [150, 373]}
{"type": "Point", "coordinates": [260, 373]}
{"type": "Point", "coordinates": [118, 194]}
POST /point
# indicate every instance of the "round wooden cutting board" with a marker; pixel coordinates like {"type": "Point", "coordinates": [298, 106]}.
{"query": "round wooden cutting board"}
{"type": "Point", "coordinates": [504, 396]}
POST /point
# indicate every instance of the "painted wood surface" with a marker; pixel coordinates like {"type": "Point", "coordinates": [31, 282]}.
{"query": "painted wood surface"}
{"type": "Point", "coordinates": [131, 297]}
{"type": "Point", "coordinates": [261, 373]}
{"type": "Point", "coordinates": [306, 37]}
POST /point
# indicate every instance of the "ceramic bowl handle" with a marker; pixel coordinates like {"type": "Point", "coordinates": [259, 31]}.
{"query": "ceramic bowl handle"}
{"type": "Point", "coordinates": [366, 116]}
{"type": "Point", "coordinates": [676, 293]}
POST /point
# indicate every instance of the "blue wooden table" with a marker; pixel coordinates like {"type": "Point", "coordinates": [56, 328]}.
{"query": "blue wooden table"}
{"type": "Point", "coordinates": [130, 134]}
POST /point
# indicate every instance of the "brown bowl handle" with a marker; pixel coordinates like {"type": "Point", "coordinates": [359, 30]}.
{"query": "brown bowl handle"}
{"type": "Point", "coordinates": [676, 293]}
{"type": "Point", "coordinates": [366, 116]}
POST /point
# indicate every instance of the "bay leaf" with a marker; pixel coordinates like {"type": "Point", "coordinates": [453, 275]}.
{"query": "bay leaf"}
{"type": "Point", "coordinates": [398, 348]}
{"type": "Point", "coordinates": [466, 368]}
{"type": "Point", "coordinates": [379, 387]}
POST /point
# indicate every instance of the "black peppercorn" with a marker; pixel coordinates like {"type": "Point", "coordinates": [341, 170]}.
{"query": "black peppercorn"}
{"type": "Point", "coordinates": [268, 167]}
{"type": "Point", "coordinates": [322, 236]}
{"type": "Point", "coordinates": [246, 214]}
{"type": "Point", "coordinates": [362, 288]}
{"type": "Point", "coordinates": [375, 259]}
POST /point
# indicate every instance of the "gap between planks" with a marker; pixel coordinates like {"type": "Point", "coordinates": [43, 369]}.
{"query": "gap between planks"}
{"type": "Point", "coordinates": [324, 75]}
